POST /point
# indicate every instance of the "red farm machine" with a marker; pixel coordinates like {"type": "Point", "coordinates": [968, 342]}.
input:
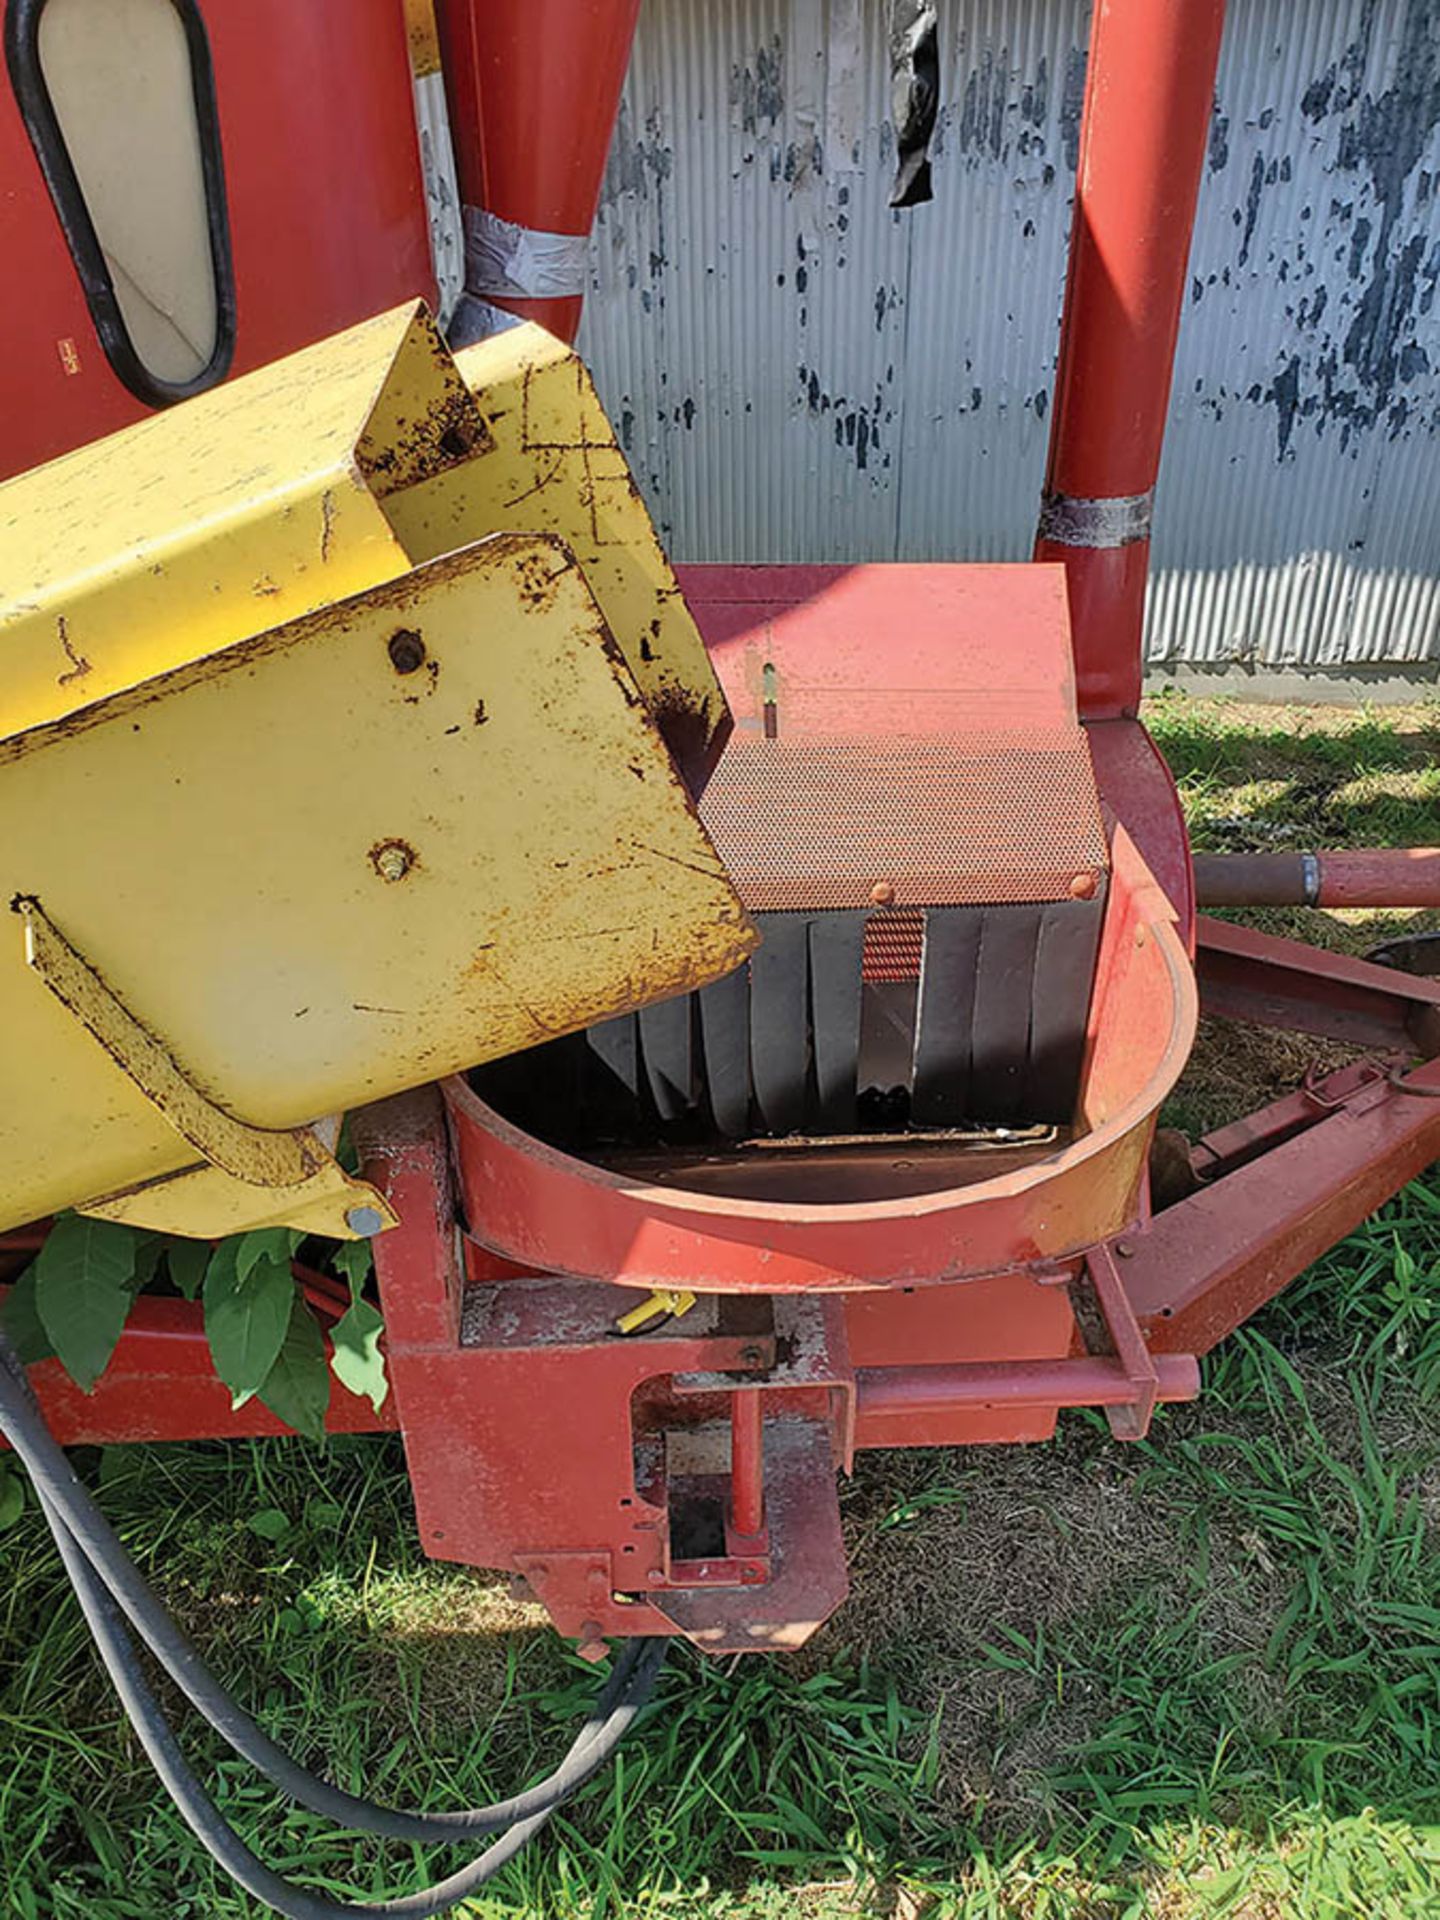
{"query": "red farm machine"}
{"type": "Point", "coordinates": [752, 989]}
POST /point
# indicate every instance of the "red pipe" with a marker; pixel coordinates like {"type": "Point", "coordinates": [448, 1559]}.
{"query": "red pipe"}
{"type": "Point", "coordinates": [1091, 1381]}
{"type": "Point", "coordinates": [1148, 92]}
{"type": "Point", "coordinates": [1356, 877]}
{"type": "Point", "coordinates": [747, 1464]}
{"type": "Point", "coordinates": [533, 88]}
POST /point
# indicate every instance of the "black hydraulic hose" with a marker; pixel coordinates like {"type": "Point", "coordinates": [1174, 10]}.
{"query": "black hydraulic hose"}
{"type": "Point", "coordinates": [50, 1470]}
{"type": "Point", "coordinates": [199, 1811]}
{"type": "Point", "coordinates": [105, 1585]}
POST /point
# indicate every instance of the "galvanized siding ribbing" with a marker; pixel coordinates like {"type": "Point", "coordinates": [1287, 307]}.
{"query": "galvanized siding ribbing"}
{"type": "Point", "coordinates": [800, 374]}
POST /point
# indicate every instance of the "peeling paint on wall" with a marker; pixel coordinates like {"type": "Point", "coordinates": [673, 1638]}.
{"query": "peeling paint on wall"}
{"type": "Point", "coordinates": [799, 373]}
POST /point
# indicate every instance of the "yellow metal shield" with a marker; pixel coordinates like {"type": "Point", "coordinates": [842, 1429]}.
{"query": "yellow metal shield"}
{"type": "Point", "coordinates": [264, 869]}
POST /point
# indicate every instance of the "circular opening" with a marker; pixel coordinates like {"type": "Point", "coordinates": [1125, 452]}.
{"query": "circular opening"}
{"type": "Point", "coordinates": [568, 1095]}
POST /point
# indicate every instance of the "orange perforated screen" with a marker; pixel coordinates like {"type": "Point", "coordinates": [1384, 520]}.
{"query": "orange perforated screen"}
{"type": "Point", "coordinates": [840, 821]}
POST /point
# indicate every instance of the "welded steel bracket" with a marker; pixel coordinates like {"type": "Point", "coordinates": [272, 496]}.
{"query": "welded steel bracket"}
{"type": "Point", "coordinates": [1130, 1420]}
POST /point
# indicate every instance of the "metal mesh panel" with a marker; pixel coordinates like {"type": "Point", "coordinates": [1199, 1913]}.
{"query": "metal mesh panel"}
{"type": "Point", "coordinates": [893, 944]}
{"type": "Point", "coordinates": [835, 821]}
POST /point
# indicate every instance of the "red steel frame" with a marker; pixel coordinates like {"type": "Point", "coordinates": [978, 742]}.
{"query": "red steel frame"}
{"type": "Point", "coordinates": [537, 1438]}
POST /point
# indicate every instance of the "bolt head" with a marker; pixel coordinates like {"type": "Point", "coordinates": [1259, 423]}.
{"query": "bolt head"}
{"type": "Point", "coordinates": [406, 650]}
{"type": "Point", "coordinates": [365, 1221]}
{"type": "Point", "coordinates": [1082, 887]}
{"type": "Point", "coordinates": [591, 1645]}
{"type": "Point", "coordinates": [882, 894]}
{"type": "Point", "coordinates": [393, 861]}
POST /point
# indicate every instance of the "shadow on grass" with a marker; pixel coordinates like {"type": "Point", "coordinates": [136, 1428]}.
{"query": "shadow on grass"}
{"type": "Point", "coordinates": [1261, 778]}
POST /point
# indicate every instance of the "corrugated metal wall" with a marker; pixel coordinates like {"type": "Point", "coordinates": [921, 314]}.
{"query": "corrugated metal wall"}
{"type": "Point", "coordinates": [800, 374]}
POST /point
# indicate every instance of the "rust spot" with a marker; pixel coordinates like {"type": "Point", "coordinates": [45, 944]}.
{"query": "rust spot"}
{"type": "Point", "coordinates": [327, 523]}
{"type": "Point", "coordinates": [692, 731]}
{"type": "Point", "coordinates": [79, 665]}
{"type": "Point", "coordinates": [393, 859]}
{"type": "Point", "coordinates": [446, 429]}
{"type": "Point", "coordinates": [536, 575]}
{"type": "Point", "coordinates": [406, 650]}
{"type": "Point", "coordinates": [263, 586]}
{"type": "Point", "coordinates": [553, 473]}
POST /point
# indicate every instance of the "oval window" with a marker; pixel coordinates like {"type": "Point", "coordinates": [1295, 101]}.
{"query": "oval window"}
{"type": "Point", "coordinates": [118, 97]}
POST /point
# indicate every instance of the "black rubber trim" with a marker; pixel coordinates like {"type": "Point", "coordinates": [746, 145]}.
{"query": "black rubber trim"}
{"type": "Point", "coordinates": [37, 110]}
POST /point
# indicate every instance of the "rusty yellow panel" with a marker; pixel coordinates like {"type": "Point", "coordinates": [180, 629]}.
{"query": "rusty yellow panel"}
{"type": "Point", "coordinates": [247, 1177]}
{"type": "Point", "coordinates": [236, 511]}
{"type": "Point", "coordinates": [207, 1203]}
{"type": "Point", "coordinates": [338, 857]}
{"type": "Point", "coordinates": [302, 826]}
{"type": "Point", "coordinates": [556, 468]}
{"type": "Point", "coordinates": [311, 479]}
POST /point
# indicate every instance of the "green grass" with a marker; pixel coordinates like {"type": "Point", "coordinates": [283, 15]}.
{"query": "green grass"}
{"type": "Point", "coordinates": [1199, 1676]}
{"type": "Point", "coordinates": [1270, 779]}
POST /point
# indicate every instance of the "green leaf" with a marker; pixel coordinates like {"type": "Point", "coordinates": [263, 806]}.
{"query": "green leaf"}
{"type": "Point", "coordinates": [21, 1321]}
{"type": "Point", "coordinates": [271, 1244]}
{"type": "Point", "coordinates": [12, 1498]}
{"type": "Point", "coordinates": [356, 1358]}
{"type": "Point", "coordinates": [270, 1523]}
{"type": "Point", "coordinates": [324, 1516]}
{"type": "Point", "coordinates": [148, 1249]}
{"type": "Point", "coordinates": [354, 1261]}
{"type": "Point", "coordinates": [246, 1317]}
{"type": "Point", "coordinates": [187, 1261]}
{"type": "Point", "coordinates": [82, 1292]}
{"type": "Point", "coordinates": [297, 1387]}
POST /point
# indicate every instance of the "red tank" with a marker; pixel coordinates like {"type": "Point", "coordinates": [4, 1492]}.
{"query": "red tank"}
{"type": "Point", "coordinates": [286, 162]}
